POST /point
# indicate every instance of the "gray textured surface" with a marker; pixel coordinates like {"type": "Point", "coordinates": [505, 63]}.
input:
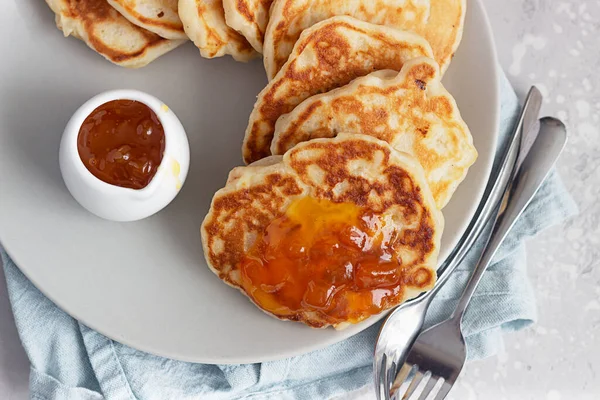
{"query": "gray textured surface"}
{"type": "Point", "coordinates": [553, 44]}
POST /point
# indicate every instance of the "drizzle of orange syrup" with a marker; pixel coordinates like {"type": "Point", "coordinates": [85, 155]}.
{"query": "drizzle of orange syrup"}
{"type": "Point", "coordinates": [335, 259]}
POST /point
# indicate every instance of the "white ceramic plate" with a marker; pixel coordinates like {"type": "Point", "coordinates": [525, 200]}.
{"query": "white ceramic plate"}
{"type": "Point", "coordinates": [145, 283]}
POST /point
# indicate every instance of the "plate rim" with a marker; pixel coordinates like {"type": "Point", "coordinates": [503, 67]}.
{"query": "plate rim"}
{"type": "Point", "coordinates": [355, 329]}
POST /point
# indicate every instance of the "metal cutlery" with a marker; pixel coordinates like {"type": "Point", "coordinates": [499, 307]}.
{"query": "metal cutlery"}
{"type": "Point", "coordinates": [403, 325]}
{"type": "Point", "coordinates": [438, 355]}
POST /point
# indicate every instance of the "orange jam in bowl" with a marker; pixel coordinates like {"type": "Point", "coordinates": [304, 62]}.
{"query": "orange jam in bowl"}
{"type": "Point", "coordinates": [122, 143]}
{"type": "Point", "coordinates": [336, 260]}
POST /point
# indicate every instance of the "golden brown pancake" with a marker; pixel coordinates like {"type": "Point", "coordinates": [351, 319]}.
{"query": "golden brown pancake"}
{"type": "Point", "coordinates": [289, 18]}
{"type": "Point", "coordinates": [331, 233]}
{"type": "Point", "coordinates": [158, 16]}
{"type": "Point", "coordinates": [204, 23]}
{"type": "Point", "coordinates": [106, 31]}
{"type": "Point", "coordinates": [444, 29]}
{"type": "Point", "coordinates": [328, 55]}
{"type": "Point", "coordinates": [411, 110]}
{"type": "Point", "coordinates": [248, 17]}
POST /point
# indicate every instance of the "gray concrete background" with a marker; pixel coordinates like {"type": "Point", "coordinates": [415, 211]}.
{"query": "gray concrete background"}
{"type": "Point", "coordinates": [555, 45]}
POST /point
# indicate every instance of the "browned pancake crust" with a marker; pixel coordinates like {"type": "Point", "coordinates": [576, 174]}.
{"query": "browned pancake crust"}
{"type": "Point", "coordinates": [242, 7]}
{"type": "Point", "coordinates": [261, 204]}
{"type": "Point", "coordinates": [236, 215]}
{"type": "Point", "coordinates": [444, 29]}
{"type": "Point", "coordinates": [416, 105]}
{"type": "Point", "coordinates": [332, 70]}
{"type": "Point", "coordinates": [204, 22]}
{"type": "Point", "coordinates": [387, 14]}
{"type": "Point", "coordinates": [156, 22]}
{"type": "Point", "coordinates": [93, 13]}
{"type": "Point", "coordinates": [371, 121]}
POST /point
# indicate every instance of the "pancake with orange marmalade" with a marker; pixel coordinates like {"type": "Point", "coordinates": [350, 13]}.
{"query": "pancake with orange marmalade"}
{"type": "Point", "coordinates": [110, 34]}
{"type": "Point", "coordinates": [328, 55]}
{"type": "Point", "coordinates": [411, 110]}
{"type": "Point", "coordinates": [331, 233]}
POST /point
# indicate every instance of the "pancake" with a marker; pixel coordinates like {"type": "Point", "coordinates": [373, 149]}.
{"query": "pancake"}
{"type": "Point", "coordinates": [328, 55]}
{"type": "Point", "coordinates": [444, 29]}
{"type": "Point", "coordinates": [411, 110]}
{"type": "Point", "coordinates": [250, 18]}
{"type": "Point", "coordinates": [158, 16]}
{"type": "Point", "coordinates": [331, 233]}
{"type": "Point", "coordinates": [290, 17]}
{"type": "Point", "coordinates": [107, 32]}
{"type": "Point", "coordinates": [204, 23]}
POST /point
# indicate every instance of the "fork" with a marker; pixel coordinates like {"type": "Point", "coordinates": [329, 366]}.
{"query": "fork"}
{"type": "Point", "coordinates": [403, 324]}
{"type": "Point", "coordinates": [439, 353]}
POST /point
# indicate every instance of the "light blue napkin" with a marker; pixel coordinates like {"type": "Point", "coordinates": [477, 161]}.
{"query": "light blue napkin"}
{"type": "Point", "coordinates": [71, 361]}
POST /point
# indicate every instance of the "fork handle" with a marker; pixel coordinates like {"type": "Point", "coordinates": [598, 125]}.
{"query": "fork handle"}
{"type": "Point", "coordinates": [519, 142]}
{"type": "Point", "coordinates": [532, 173]}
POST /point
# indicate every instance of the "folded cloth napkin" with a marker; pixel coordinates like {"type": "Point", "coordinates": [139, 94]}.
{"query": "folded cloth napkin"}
{"type": "Point", "coordinates": [71, 361]}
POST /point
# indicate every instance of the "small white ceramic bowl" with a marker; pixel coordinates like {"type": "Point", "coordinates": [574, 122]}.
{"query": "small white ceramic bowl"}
{"type": "Point", "coordinates": [118, 203]}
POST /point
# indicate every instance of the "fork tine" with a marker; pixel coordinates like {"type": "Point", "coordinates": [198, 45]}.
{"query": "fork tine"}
{"type": "Point", "coordinates": [383, 383]}
{"type": "Point", "coordinates": [405, 386]}
{"type": "Point", "coordinates": [446, 387]}
{"type": "Point", "coordinates": [377, 367]}
{"type": "Point", "coordinates": [402, 380]}
{"type": "Point", "coordinates": [393, 368]}
{"type": "Point", "coordinates": [388, 368]}
{"type": "Point", "coordinates": [414, 384]}
{"type": "Point", "coordinates": [431, 383]}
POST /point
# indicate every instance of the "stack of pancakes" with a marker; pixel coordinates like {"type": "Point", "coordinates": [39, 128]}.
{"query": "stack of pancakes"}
{"type": "Point", "coordinates": [133, 33]}
{"type": "Point", "coordinates": [354, 118]}
{"type": "Point", "coordinates": [130, 33]}
{"type": "Point", "coordinates": [354, 146]}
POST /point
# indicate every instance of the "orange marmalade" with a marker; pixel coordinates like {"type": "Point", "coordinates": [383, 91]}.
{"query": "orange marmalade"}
{"type": "Point", "coordinates": [122, 143]}
{"type": "Point", "coordinates": [337, 260]}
